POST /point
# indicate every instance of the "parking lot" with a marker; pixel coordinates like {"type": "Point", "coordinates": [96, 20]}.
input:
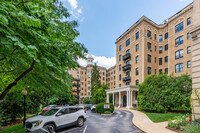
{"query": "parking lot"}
{"type": "Point", "coordinates": [119, 122]}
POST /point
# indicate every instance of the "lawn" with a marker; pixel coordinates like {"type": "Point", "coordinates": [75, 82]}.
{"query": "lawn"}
{"type": "Point", "coordinates": [160, 117]}
{"type": "Point", "coordinates": [17, 129]}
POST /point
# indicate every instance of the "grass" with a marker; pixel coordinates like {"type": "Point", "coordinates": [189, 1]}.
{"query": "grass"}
{"type": "Point", "coordinates": [160, 117]}
{"type": "Point", "coordinates": [17, 129]}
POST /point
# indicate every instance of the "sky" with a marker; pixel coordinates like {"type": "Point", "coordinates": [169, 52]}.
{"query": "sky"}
{"type": "Point", "coordinates": [101, 22]}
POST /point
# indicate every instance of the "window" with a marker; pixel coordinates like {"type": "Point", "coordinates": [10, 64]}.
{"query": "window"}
{"type": "Point", "coordinates": [160, 71]}
{"type": "Point", "coordinates": [149, 58]}
{"type": "Point", "coordinates": [120, 67]}
{"type": "Point", "coordinates": [155, 59]}
{"type": "Point", "coordinates": [179, 54]}
{"type": "Point", "coordinates": [188, 21]}
{"type": "Point", "coordinates": [166, 35]}
{"type": "Point", "coordinates": [77, 77]}
{"type": "Point", "coordinates": [188, 36]}
{"type": "Point", "coordinates": [148, 33]}
{"type": "Point", "coordinates": [103, 73]}
{"type": "Point", "coordinates": [179, 67]}
{"type": "Point", "coordinates": [149, 46]}
{"type": "Point", "coordinates": [127, 73]}
{"type": "Point", "coordinates": [136, 82]}
{"type": "Point", "coordinates": [128, 62]}
{"type": "Point", "coordinates": [120, 47]}
{"type": "Point", "coordinates": [166, 47]}
{"type": "Point", "coordinates": [188, 64]}
{"type": "Point", "coordinates": [166, 70]}
{"type": "Point", "coordinates": [127, 83]}
{"type": "Point", "coordinates": [120, 77]}
{"type": "Point", "coordinates": [160, 38]}
{"type": "Point", "coordinates": [128, 51]}
{"type": "Point", "coordinates": [137, 47]}
{"type": "Point", "coordinates": [148, 70]}
{"type": "Point", "coordinates": [179, 27]}
{"type": "Point", "coordinates": [128, 42]}
{"type": "Point", "coordinates": [166, 58]}
{"type": "Point", "coordinates": [137, 59]}
{"type": "Point", "coordinates": [155, 48]}
{"type": "Point", "coordinates": [103, 78]}
{"type": "Point", "coordinates": [137, 71]}
{"type": "Point", "coordinates": [120, 57]}
{"type": "Point", "coordinates": [160, 61]}
{"type": "Point", "coordinates": [179, 40]}
{"type": "Point", "coordinates": [120, 85]}
{"type": "Point", "coordinates": [160, 50]}
{"type": "Point", "coordinates": [188, 50]}
{"type": "Point", "coordinates": [155, 36]}
{"type": "Point", "coordinates": [77, 71]}
{"type": "Point", "coordinates": [155, 71]}
{"type": "Point", "coordinates": [137, 35]}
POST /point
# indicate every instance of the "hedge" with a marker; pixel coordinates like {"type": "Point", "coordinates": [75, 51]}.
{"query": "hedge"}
{"type": "Point", "coordinates": [162, 93]}
{"type": "Point", "coordinates": [100, 108]}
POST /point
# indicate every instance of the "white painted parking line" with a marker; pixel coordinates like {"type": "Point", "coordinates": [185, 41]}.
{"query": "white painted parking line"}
{"type": "Point", "coordinates": [85, 129]}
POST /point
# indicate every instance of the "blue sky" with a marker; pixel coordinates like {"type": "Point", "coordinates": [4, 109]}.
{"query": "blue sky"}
{"type": "Point", "coordinates": [101, 22]}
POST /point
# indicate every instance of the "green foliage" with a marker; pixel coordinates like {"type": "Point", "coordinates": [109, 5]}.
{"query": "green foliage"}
{"type": "Point", "coordinates": [179, 122]}
{"type": "Point", "coordinates": [100, 94]}
{"type": "Point", "coordinates": [37, 45]}
{"type": "Point", "coordinates": [17, 129]}
{"type": "Point", "coordinates": [95, 80]}
{"type": "Point", "coordinates": [100, 108]}
{"type": "Point", "coordinates": [192, 129]}
{"type": "Point", "coordinates": [107, 112]}
{"type": "Point", "coordinates": [87, 100]}
{"type": "Point", "coordinates": [162, 93]}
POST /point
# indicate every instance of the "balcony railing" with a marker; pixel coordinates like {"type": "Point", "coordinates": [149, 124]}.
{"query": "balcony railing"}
{"type": "Point", "coordinates": [127, 67]}
{"type": "Point", "coordinates": [75, 84]}
{"type": "Point", "coordinates": [126, 56]}
{"type": "Point", "coordinates": [127, 78]}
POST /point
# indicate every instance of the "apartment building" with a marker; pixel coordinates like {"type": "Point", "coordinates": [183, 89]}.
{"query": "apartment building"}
{"type": "Point", "coordinates": [82, 76]}
{"type": "Point", "coordinates": [149, 48]}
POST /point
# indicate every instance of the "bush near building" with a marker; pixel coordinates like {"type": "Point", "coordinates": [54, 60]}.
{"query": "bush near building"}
{"type": "Point", "coordinates": [162, 93]}
{"type": "Point", "coordinates": [87, 100]}
{"type": "Point", "coordinates": [100, 108]}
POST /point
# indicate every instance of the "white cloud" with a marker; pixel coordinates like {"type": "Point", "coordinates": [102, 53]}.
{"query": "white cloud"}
{"type": "Point", "coordinates": [102, 61]}
{"type": "Point", "coordinates": [79, 11]}
{"type": "Point", "coordinates": [73, 3]}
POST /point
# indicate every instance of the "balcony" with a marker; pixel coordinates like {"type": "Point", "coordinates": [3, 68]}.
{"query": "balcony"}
{"type": "Point", "coordinates": [127, 78]}
{"type": "Point", "coordinates": [127, 67]}
{"type": "Point", "coordinates": [126, 56]}
{"type": "Point", "coordinates": [76, 85]}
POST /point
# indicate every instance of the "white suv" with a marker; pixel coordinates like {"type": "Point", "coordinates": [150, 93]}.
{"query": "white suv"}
{"type": "Point", "coordinates": [57, 118]}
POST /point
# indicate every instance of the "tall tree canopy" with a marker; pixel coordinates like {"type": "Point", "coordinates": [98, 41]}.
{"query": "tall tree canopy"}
{"type": "Point", "coordinates": [36, 46]}
{"type": "Point", "coordinates": [95, 80]}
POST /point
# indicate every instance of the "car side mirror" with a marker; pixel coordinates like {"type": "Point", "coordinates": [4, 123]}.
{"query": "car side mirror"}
{"type": "Point", "coordinates": [58, 114]}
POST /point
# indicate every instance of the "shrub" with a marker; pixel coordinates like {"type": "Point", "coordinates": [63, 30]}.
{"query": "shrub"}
{"type": "Point", "coordinates": [192, 128]}
{"type": "Point", "coordinates": [87, 100]}
{"type": "Point", "coordinates": [100, 108]}
{"type": "Point", "coordinates": [162, 93]}
{"type": "Point", "coordinates": [179, 122]}
{"type": "Point", "coordinates": [107, 112]}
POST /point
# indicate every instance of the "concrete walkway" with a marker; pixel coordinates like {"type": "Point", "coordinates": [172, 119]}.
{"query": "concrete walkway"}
{"type": "Point", "coordinates": [145, 124]}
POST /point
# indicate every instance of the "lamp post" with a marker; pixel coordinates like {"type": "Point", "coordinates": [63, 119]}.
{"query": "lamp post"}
{"type": "Point", "coordinates": [24, 93]}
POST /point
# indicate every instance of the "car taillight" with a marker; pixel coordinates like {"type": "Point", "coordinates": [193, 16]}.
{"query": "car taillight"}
{"type": "Point", "coordinates": [85, 111]}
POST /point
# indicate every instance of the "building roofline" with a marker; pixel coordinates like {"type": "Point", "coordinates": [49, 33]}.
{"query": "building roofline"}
{"type": "Point", "coordinates": [159, 26]}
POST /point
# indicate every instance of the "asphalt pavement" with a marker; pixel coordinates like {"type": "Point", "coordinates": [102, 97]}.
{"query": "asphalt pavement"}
{"type": "Point", "coordinates": [119, 122]}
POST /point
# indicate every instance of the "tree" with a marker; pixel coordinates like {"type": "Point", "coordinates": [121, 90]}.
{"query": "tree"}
{"type": "Point", "coordinates": [37, 46]}
{"type": "Point", "coordinates": [100, 94]}
{"type": "Point", "coordinates": [87, 100]}
{"type": "Point", "coordinates": [95, 80]}
{"type": "Point", "coordinates": [161, 93]}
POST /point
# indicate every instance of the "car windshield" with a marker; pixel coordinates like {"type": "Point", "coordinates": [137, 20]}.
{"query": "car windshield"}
{"type": "Point", "coordinates": [50, 112]}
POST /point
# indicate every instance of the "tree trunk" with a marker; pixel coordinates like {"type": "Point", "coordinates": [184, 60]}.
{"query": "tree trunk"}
{"type": "Point", "coordinates": [3, 94]}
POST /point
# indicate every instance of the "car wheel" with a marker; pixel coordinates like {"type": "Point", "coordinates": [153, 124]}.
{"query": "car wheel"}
{"type": "Point", "coordinates": [80, 122]}
{"type": "Point", "coordinates": [50, 127]}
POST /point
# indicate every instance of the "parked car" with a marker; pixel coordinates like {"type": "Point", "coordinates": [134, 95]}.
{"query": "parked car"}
{"type": "Point", "coordinates": [88, 106]}
{"type": "Point", "coordinates": [57, 118]}
{"type": "Point", "coordinates": [93, 108]}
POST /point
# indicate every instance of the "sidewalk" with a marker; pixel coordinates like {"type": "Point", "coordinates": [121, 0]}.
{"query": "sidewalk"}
{"type": "Point", "coordinates": [145, 124]}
